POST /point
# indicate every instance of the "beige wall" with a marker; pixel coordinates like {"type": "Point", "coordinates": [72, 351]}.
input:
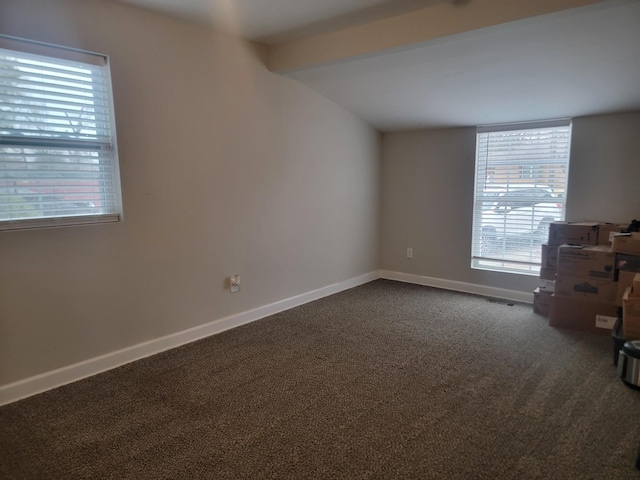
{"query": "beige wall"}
{"type": "Point", "coordinates": [427, 194]}
{"type": "Point", "coordinates": [604, 174]}
{"type": "Point", "coordinates": [226, 169]}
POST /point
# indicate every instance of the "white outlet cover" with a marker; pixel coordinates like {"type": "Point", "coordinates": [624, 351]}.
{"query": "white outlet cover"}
{"type": "Point", "coordinates": [234, 284]}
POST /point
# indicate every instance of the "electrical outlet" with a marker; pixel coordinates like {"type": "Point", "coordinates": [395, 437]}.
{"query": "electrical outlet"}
{"type": "Point", "coordinates": [234, 283]}
{"type": "Point", "coordinates": [409, 252]}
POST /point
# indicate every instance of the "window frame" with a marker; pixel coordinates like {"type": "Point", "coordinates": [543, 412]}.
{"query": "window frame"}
{"type": "Point", "coordinates": [102, 147]}
{"type": "Point", "coordinates": [516, 234]}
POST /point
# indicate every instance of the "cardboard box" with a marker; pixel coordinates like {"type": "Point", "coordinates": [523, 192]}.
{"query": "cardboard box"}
{"type": "Point", "coordinates": [583, 315]}
{"type": "Point", "coordinates": [631, 315]}
{"type": "Point", "coordinates": [542, 301]}
{"type": "Point", "coordinates": [580, 233]}
{"type": "Point", "coordinates": [589, 262]}
{"type": "Point", "coordinates": [625, 280]}
{"type": "Point", "coordinates": [548, 273]}
{"type": "Point", "coordinates": [547, 284]}
{"type": "Point", "coordinates": [627, 243]}
{"type": "Point", "coordinates": [606, 231]}
{"type": "Point", "coordinates": [549, 258]}
{"type": "Point", "coordinates": [594, 289]}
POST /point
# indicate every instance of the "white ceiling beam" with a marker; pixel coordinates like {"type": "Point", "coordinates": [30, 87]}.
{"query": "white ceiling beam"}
{"type": "Point", "coordinates": [409, 29]}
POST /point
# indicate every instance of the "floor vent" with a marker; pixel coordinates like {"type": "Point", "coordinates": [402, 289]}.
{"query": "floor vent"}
{"type": "Point", "coordinates": [501, 301]}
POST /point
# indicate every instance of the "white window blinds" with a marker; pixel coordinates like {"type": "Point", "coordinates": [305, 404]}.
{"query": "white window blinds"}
{"type": "Point", "coordinates": [520, 187]}
{"type": "Point", "coordinates": [58, 156]}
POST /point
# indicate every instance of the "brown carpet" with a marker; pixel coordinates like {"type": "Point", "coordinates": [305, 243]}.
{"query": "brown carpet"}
{"type": "Point", "coordinates": [387, 380]}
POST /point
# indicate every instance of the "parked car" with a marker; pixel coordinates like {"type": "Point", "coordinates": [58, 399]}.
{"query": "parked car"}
{"type": "Point", "coordinates": [518, 214]}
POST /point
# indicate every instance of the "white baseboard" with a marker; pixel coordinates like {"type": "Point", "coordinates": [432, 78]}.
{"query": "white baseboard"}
{"type": "Point", "coordinates": [71, 373]}
{"type": "Point", "coordinates": [493, 292]}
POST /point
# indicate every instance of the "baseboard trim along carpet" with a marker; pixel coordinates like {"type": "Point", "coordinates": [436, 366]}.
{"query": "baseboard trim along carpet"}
{"type": "Point", "coordinates": [72, 373]}
{"type": "Point", "coordinates": [494, 292]}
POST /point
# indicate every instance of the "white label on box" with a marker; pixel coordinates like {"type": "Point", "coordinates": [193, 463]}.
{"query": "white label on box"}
{"type": "Point", "coordinates": [603, 321]}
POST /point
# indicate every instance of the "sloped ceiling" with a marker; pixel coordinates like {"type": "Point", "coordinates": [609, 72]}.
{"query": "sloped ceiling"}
{"type": "Point", "coordinates": [274, 22]}
{"type": "Point", "coordinates": [409, 64]}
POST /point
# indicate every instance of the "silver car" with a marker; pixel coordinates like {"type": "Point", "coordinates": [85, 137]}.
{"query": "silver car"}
{"type": "Point", "coordinates": [519, 214]}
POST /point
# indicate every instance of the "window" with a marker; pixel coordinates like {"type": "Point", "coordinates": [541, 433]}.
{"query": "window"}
{"type": "Point", "coordinates": [58, 154]}
{"type": "Point", "coordinates": [520, 188]}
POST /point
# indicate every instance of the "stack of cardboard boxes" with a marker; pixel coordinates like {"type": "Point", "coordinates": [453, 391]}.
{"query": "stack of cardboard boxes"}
{"type": "Point", "coordinates": [584, 277]}
{"type": "Point", "coordinates": [631, 310]}
{"type": "Point", "coordinates": [627, 250]}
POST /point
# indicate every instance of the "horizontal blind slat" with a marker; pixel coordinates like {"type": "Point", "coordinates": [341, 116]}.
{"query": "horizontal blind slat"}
{"type": "Point", "coordinates": [13, 69]}
{"type": "Point", "coordinates": [37, 108]}
{"type": "Point", "coordinates": [22, 101]}
{"type": "Point", "coordinates": [33, 94]}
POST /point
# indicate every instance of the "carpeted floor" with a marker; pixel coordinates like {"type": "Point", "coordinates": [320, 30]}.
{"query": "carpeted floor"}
{"type": "Point", "coordinates": [387, 380]}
